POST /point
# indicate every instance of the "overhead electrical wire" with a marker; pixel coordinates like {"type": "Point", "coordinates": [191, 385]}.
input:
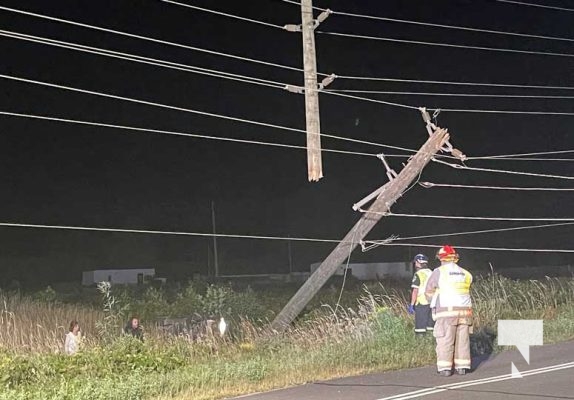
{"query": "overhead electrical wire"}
{"type": "Point", "coordinates": [238, 236]}
{"type": "Point", "coordinates": [459, 217]}
{"type": "Point", "coordinates": [265, 63]}
{"type": "Point", "coordinates": [234, 16]}
{"type": "Point", "coordinates": [522, 3]}
{"type": "Point", "coordinates": [448, 45]}
{"type": "Point", "coordinates": [175, 66]}
{"type": "Point", "coordinates": [518, 228]}
{"type": "Point", "coordinates": [250, 80]}
{"type": "Point", "coordinates": [457, 110]}
{"type": "Point", "coordinates": [464, 28]}
{"type": "Point", "coordinates": [388, 103]}
{"type": "Point", "coordinates": [522, 159]}
{"type": "Point", "coordinates": [399, 93]}
{"type": "Point", "coordinates": [189, 110]}
{"type": "Point", "coordinates": [501, 171]}
{"type": "Point", "coordinates": [141, 59]}
{"type": "Point", "coordinates": [454, 83]}
{"type": "Point", "coordinates": [152, 61]}
{"type": "Point", "coordinates": [538, 153]}
{"type": "Point", "coordinates": [453, 27]}
{"type": "Point", "coordinates": [160, 232]}
{"type": "Point", "coordinates": [150, 39]}
{"type": "Point", "coordinates": [179, 133]}
{"type": "Point", "coordinates": [509, 249]}
{"type": "Point", "coordinates": [429, 185]}
{"type": "Point", "coordinates": [512, 112]}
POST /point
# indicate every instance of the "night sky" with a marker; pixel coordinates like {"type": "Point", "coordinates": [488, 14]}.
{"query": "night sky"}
{"type": "Point", "coordinates": [63, 174]}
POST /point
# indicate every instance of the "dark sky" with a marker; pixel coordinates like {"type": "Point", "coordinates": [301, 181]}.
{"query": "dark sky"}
{"type": "Point", "coordinates": [63, 174]}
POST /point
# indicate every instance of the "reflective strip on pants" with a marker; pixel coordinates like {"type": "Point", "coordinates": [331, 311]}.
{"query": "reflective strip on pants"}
{"type": "Point", "coordinates": [452, 343]}
{"type": "Point", "coordinates": [444, 365]}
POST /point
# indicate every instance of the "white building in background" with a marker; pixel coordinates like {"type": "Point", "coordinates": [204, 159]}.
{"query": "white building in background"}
{"type": "Point", "coordinates": [374, 271]}
{"type": "Point", "coordinates": [133, 276]}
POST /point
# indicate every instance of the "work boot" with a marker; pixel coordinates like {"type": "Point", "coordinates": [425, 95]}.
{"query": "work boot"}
{"type": "Point", "coordinates": [446, 372]}
{"type": "Point", "coordinates": [461, 371]}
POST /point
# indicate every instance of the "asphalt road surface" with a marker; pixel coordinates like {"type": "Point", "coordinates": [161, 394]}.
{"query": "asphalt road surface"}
{"type": "Point", "coordinates": [550, 375]}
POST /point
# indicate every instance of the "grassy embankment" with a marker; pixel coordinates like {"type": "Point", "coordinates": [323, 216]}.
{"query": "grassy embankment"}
{"type": "Point", "coordinates": [374, 335]}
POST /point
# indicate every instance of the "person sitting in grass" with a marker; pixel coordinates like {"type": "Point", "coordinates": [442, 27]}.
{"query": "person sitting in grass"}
{"type": "Point", "coordinates": [134, 329]}
{"type": "Point", "coordinates": [72, 342]}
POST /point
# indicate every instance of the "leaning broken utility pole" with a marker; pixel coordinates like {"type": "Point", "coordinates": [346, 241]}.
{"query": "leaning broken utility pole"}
{"type": "Point", "coordinates": [387, 196]}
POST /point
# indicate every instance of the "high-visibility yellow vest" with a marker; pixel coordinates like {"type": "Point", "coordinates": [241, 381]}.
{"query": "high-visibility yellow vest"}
{"type": "Point", "coordinates": [423, 274]}
{"type": "Point", "coordinates": [453, 292]}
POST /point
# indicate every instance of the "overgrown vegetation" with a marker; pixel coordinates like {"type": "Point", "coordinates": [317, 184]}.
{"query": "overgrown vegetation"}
{"type": "Point", "coordinates": [370, 332]}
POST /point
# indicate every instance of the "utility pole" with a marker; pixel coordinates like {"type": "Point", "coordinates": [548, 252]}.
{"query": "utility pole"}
{"type": "Point", "coordinates": [312, 86]}
{"type": "Point", "coordinates": [314, 162]}
{"type": "Point", "coordinates": [389, 194]}
{"type": "Point", "coordinates": [215, 258]}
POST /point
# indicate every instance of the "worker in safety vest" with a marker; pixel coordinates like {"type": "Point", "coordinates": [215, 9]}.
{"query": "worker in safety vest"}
{"type": "Point", "coordinates": [448, 290]}
{"type": "Point", "coordinates": [419, 304]}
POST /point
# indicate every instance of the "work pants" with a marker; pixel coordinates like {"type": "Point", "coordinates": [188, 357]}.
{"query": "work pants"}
{"type": "Point", "coordinates": [452, 343]}
{"type": "Point", "coordinates": [423, 319]}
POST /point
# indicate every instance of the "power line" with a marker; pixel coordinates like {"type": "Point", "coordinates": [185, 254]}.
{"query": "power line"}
{"type": "Point", "coordinates": [455, 27]}
{"type": "Point", "coordinates": [189, 110]}
{"type": "Point", "coordinates": [388, 103]}
{"type": "Point", "coordinates": [539, 153]}
{"type": "Point", "coordinates": [143, 60]}
{"type": "Point", "coordinates": [158, 232]}
{"type": "Point", "coordinates": [511, 112]}
{"type": "Point", "coordinates": [299, 4]}
{"type": "Point", "coordinates": [176, 66]}
{"type": "Point", "coordinates": [391, 214]}
{"type": "Point", "coordinates": [522, 159]}
{"type": "Point", "coordinates": [149, 39]}
{"type": "Point", "coordinates": [448, 45]}
{"type": "Point", "coordinates": [435, 82]}
{"type": "Point", "coordinates": [519, 228]}
{"type": "Point", "coordinates": [178, 133]}
{"type": "Point", "coordinates": [211, 72]}
{"type": "Point", "coordinates": [429, 185]}
{"type": "Point", "coordinates": [250, 60]}
{"type": "Point", "coordinates": [237, 236]}
{"type": "Point", "coordinates": [500, 171]}
{"type": "Point", "coordinates": [535, 5]}
{"type": "Point", "coordinates": [234, 16]}
{"type": "Point", "coordinates": [399, 93]}
{"type": "Point", "coordinates": [484, 248]}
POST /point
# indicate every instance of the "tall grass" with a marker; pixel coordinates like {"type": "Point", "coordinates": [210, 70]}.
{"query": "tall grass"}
{"type": "Point", "coordinates": [501, 298]}
{"type": "Point", "coordinates": [373, 335]}
{"type": "Point", "coordinates": [29, 325]}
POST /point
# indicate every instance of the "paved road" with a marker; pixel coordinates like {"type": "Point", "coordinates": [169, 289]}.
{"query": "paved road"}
{"type": "Point", "coordinates": [550, 375]}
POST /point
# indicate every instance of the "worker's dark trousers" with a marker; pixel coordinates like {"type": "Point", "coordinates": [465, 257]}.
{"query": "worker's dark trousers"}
{"type": "Point", "coordinates": [423, 319]}
{"type": "Point", "coordinates": [452, 343]}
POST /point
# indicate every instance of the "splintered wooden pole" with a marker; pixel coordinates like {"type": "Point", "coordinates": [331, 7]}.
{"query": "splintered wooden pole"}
{"type": "Point", "coordinates": [389, 195]}
{"type": "Point", "coordinates": [314, 163]}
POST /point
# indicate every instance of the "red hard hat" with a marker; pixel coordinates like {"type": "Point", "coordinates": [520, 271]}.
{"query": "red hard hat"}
{"type": "Point", "coordinates": [446, 251]}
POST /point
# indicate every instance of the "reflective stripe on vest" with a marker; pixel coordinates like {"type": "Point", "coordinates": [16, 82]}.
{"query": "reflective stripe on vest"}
{"type": "Point", "coordinates": [454, 292]}
{"type": "Point", "coordinates": [424, 275]}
